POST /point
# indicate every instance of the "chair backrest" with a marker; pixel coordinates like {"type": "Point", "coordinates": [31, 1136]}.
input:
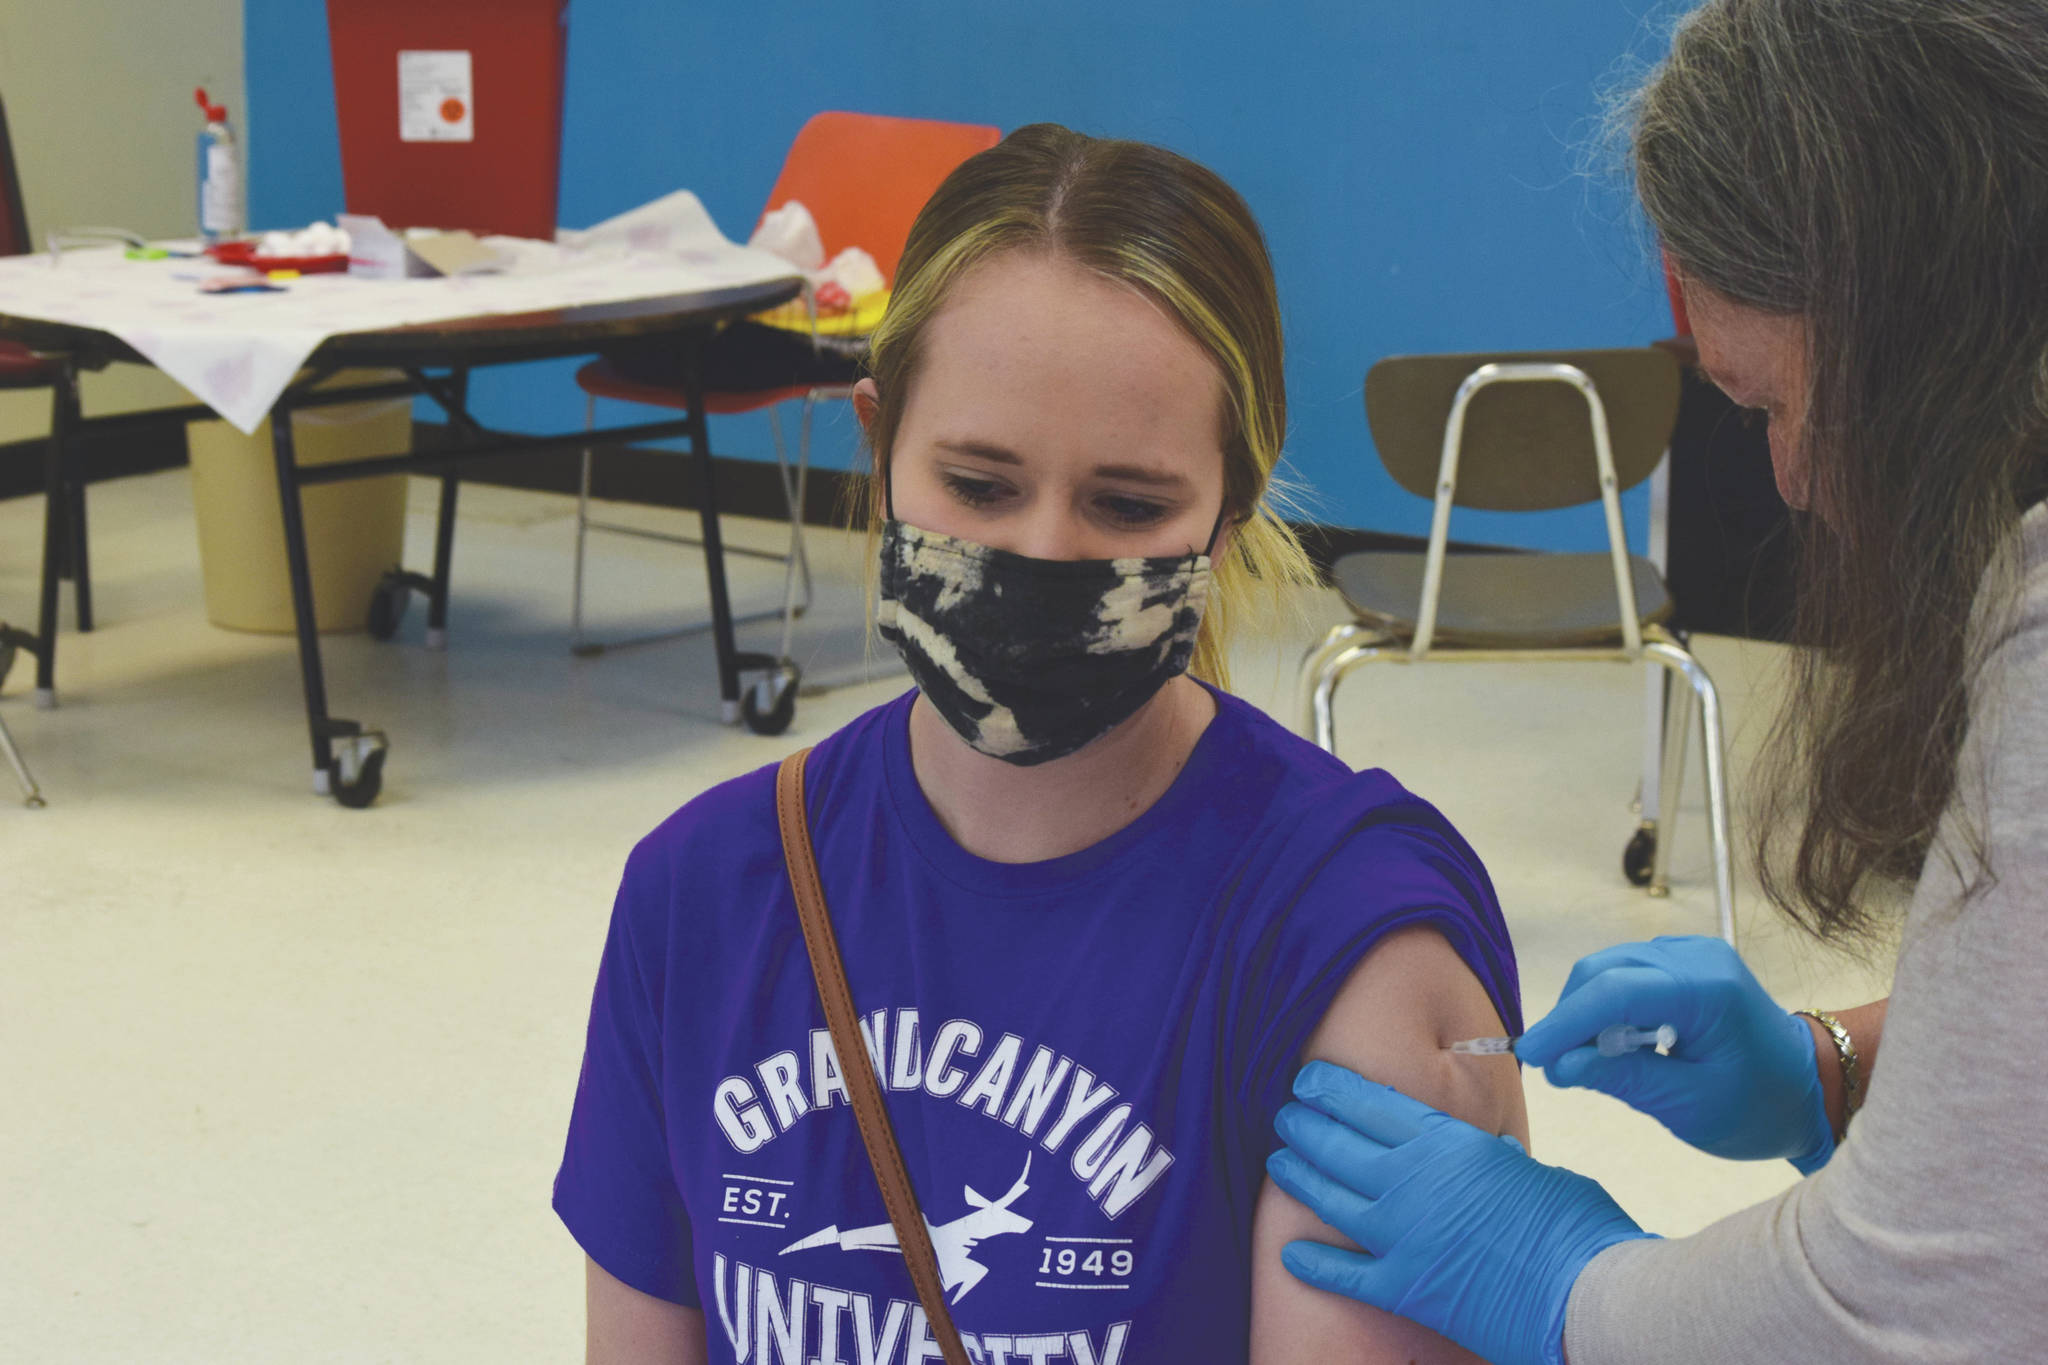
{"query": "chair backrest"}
{"type": "Point", "coordinates": [1527, 447]}
{"type": "Point", "coordinates": [14, 240]}
{"type": "Point", "coordinates": [865, 176]}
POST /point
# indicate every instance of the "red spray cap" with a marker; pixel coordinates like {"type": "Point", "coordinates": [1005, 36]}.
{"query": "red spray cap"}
{"type": "Point", "coordinates": [215, 113]}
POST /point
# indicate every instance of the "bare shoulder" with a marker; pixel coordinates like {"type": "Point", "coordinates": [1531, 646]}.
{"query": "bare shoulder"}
{"type": "Point", "coordinates": [1411, 995]}
{"type": "Point", "coordinates": [1390, 1021]}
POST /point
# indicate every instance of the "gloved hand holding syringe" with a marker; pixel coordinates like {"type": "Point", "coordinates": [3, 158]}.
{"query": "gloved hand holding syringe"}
{"type": "Point", "coordinates": [1738, 1075]}
{"type": "Point", "coordinates": [1613, 1041]}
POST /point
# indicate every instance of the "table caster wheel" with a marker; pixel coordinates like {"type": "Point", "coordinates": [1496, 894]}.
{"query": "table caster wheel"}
{"type": "Point", "coordinates": [1641, 853]}
{"type": "Point", "coordinates": [770, 704]}
{"type": "Point", "coordinates": [356, 776]}
{"type": "Point", "coordinates": [387, 605]}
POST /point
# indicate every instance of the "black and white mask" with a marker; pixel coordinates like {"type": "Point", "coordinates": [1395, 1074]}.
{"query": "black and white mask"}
{"type": "Point", "coordinates": [1031, 659]}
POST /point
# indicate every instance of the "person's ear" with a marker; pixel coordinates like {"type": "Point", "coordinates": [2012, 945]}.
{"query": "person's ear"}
{"type": "Point", "coordinates": [867, 405]}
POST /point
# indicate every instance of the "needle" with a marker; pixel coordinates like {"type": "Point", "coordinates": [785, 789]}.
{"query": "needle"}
{"type": "Point", "coordinates": [1613, 1041]}
{"type": "Point", "coordinates": [1482, 1047]}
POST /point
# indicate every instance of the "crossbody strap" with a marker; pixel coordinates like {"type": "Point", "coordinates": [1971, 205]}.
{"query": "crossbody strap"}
{"type": "Point", "coordinates": [912, 1233]}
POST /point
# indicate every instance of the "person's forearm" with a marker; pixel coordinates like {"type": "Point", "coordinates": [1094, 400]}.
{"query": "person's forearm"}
{"type": "Point", "coordinates": [1865, 1026]}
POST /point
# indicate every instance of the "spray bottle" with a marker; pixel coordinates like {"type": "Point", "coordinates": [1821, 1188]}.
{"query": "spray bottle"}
{"type": "Point", "coordinates": [220, 176]}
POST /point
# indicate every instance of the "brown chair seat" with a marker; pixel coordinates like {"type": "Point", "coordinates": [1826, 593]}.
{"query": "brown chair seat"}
{"type": "Point", "coordinates": [1502, 601]}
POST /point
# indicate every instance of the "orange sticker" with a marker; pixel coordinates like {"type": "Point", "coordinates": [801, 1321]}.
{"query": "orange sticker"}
{"type": "Point", "coordinates": [452, 110]}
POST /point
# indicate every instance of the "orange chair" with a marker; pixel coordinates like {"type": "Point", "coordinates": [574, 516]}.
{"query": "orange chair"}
{"type": "Point", "coordinates": [864, 177]}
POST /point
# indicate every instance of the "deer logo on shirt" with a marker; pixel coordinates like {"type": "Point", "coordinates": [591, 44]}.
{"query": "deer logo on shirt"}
{"type": "Point", "coordinates": [953, 1243]}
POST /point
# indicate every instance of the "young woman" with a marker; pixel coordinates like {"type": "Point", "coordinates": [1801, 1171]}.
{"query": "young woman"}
{"type": "Point", "coordinates": [1855, 196]}
{"type": "Point", "coordinates": [1094, 909]}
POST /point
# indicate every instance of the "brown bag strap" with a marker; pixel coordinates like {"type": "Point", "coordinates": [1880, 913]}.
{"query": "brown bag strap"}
{"type": "Point", "coordinates": [854, 1064]}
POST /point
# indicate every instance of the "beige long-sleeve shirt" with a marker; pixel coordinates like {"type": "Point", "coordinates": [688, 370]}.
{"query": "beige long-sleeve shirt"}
{"type": "Point", "coordinates": [1925, 1239]}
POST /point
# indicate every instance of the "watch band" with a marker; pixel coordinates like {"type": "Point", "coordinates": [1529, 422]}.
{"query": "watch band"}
{"type": "Point", "coordinates": [1852, 1068]}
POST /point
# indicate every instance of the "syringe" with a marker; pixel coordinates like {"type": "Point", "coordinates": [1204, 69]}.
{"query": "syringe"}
{"type": "Point", "coordinates": [1619, 1039]}
{"type": "Point", "coordinates": [1613, 1041]}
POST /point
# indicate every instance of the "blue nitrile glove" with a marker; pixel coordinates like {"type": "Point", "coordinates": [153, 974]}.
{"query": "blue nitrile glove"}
{"type": "Point", "coordinates": [1742, 1082]}
{"type": "Point", "coordinates": [1463, 1232]}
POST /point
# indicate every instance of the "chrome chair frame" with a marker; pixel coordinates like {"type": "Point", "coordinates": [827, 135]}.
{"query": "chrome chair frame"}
{"type": "Point", "coordinates": [797, 586]}
{"type": "Point", "coordinates": [11, 642]}
{"type": "Point", "coordinates": [1353, 644]}
{"type": "Point", "coordinates": [30, 795]}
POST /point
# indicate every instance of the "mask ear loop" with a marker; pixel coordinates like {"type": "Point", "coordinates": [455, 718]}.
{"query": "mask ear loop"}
{"type": "Point", "coordinates": [1209, 551]}
{"type": "Point", "coordinates": [888, 485]}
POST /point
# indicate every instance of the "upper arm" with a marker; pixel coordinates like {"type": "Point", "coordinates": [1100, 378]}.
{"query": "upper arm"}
{"type": "Point", "coordinates": [626, 1327]}
{"type": "Point", "coordinates": [1390, 1020]}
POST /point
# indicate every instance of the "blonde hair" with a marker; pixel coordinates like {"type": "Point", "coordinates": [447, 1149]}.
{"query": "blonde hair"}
{"type": "Point", "coordinates": [1146, 217]}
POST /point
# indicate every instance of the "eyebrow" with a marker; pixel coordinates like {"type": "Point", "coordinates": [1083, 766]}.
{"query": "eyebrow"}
{"type": "Point", "coordinates": [1130, 473]}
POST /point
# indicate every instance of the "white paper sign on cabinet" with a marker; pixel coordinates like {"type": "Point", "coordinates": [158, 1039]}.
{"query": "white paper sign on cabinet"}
{"type": "Point", "coordinates": [436, 97]}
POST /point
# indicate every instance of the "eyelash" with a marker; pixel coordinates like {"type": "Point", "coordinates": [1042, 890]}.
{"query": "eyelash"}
{"type": "Point", "coordinates": [1133, 513]}
{"type": "Point", "coordinates": [975, 493]}
{"type": "Point", "coordinates": [1126, 512]}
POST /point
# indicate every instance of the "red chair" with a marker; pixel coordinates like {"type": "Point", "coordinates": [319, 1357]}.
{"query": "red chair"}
{"type": "Point", "coordinates": [21, 368]}
{"type": "Point", "coordinates": [864, 177]}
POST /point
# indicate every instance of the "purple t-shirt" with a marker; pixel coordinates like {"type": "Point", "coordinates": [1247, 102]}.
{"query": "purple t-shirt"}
{"type": "Point", "coordinates": [1081, 1057]}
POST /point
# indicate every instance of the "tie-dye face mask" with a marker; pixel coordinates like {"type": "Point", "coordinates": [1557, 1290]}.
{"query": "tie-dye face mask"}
{"type": "Point", "coordinates": [1030, 659]}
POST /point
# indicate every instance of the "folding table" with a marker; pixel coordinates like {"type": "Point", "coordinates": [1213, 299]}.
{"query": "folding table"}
{"type": "Point", "coordinates": [250, 358]}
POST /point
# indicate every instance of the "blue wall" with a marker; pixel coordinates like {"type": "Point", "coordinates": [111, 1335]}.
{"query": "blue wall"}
{"type": "Point", "coordinates": [1412, 161]}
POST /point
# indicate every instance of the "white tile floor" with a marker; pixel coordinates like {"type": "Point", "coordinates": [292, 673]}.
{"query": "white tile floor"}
{"type": "Point", "coordinates": [283, 1081]}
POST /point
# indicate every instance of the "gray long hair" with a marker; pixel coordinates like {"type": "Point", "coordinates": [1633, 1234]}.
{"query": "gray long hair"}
{"type": "Point", "coordinates": [1879, 168]}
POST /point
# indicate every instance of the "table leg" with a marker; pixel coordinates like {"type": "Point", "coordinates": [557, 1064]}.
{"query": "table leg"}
{"type": "Point", "coordinates": [64, 416]}
{"type": "Point", "coordinates": [302, 595]}
{"type": "Point", "coordinates": [714, 546]}
{"type": "Point", "coordinates": [81, 563]}
{"type": "Point", "coordinates": [444, 529]}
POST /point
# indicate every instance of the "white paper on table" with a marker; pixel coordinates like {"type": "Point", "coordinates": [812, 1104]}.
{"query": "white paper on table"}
{"type": "Point", "coordinates": [675, 222]}
{"type": "Point", "coordinates": [237, 352]}
{"type": "Point", "coordinates": [436, 97]}
{"type": "Point", "coordinates": [375, 252]}
{"type": "Point", "coordinates": [791, 233]}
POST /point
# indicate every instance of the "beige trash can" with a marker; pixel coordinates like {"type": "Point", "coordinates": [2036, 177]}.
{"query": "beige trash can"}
{"type": "Point", "coordinates": [354, 530]}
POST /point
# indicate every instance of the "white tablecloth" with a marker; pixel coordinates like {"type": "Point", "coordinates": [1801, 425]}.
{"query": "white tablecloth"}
{"type": "Point", "coordinates": [237, 352]}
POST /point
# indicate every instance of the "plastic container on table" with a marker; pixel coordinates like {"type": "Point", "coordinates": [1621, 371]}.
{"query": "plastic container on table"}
{"type": "Point", "coordinates": [244, 253]}
{"type": "Point", "coordinates": [220, 175]}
